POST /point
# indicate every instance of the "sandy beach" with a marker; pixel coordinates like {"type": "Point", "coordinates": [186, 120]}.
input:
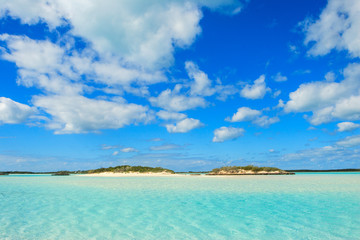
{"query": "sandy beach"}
{"type": "Point", "coordinates": [166, 174]}
{"type": "Point", "coordinates": [130, 174]}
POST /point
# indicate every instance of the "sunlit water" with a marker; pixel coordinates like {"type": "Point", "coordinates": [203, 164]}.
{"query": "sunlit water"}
{"type": "Point", "coordinates": [304, 206]}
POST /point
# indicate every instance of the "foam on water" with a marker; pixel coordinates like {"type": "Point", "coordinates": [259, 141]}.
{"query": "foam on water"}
{"type": "Point", "coordinates": [304, 206]}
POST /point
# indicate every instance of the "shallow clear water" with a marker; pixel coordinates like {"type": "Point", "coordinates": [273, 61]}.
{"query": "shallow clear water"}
{"type": "Point", "coordinates": [304, 206]}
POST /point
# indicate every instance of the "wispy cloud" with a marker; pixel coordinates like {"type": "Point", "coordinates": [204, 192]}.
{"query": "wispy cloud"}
{"type": "Point", "coordinates": [165, 147]}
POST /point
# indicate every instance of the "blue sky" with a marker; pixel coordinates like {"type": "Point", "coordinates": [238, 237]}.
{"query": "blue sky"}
{"type": "Point", "coordinates": [186, 85]}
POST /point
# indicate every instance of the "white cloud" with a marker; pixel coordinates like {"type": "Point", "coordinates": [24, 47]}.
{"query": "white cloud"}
{"type": "Point", "coordinates": [174, 101]}
{"type": "Point", "coordinates": [276, 93]}
{"type": "Point", "coordinates": [78, 114]}
{"type": "Point", "coordinates": [127, 46]}
{"type": "Point", "coordinates": [165, 115]}
{"type": "Point", "coordinates": [224, 91]}
{"type": "Point", "coordinates": [244, 114]}
{"type": "Point", "coordinates": [164, 147]}
{"type": "Point", "coordinates": [265, 121]}
{"type": "Point", "coordinates": [316, 158]}
{"type": "Point", "coordinates": [227, 133]}
{"type": "Point", "coordinates": [329, 100]}
{"type": "Point", "coordinates": [337, 28]}
{"type": "Point", "coordinates": [128, 149]}
{"type": "Point", "coordinates": [115, 153]}
{"type": "Point", "coordinates": [202, 84]}
{"type": "Point", "coordinates": [142, 32]}
{"type": "Point", "coordinates": [184, 126]}
{"type": "Point", "coordinates": [294, 49]}
{"type": "Point", "coordinates": [255, 91]}
{"type": "Point", "coordinates": [55, 69]}
{"type": "Point", "coordinates": [156, 140]}
{"type": "Point", "coordinates": [12, 112]}
{"type": "Point", "coordinates": [107, 147]}
{"type": "Point", "coordinates": [347, 126]}
{"type": "Point", "coordinates": [351, 141]}
{"type": "Point", "coordinates": [279, 77]}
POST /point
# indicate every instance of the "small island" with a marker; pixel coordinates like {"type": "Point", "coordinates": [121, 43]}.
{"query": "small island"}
{"type": "Point", "coordinates": [61, 173]}
{"type": "Point", "coordinates": [126, 170]}
{"type": "Point", "coordinates": [248, 170]}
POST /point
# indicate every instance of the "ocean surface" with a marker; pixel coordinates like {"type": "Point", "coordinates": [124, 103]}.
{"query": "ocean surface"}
{"type": "Point", "coordinates": [304, 206]}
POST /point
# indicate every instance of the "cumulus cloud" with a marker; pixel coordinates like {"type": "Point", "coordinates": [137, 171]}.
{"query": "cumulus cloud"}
{"type": "Point", "coordinates": [347, 126]}
{"type": "Point", "coordinates": [337, 28]}
{"type": "Point", "coordinates": [12, 112]}
{"type": "Point", "coordinates": [328, 100]}
{"type": "Point", "coordinates": [351, 141]}
{"type": "Point", "coordinates": [184, 126]}
{"type": "Point", "coordinates": [255, 91]}
{"type": "Point", "coordinates": [244, 114]}
{"type": "Point", "coordinates": [177, 102]}
{"type": "Point", "coordinates": [202, 84]}
{"type": "Point", "coordinates": [227, 133]}
{"type": "Point", "coordinates": [78, 114]}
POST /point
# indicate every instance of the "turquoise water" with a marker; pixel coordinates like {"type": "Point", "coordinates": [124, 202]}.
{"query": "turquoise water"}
{"type": "Point", "coordinates": [304, 206]}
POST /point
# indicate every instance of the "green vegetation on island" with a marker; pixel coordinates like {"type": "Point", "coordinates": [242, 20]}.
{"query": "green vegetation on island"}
{"type": "Point", "coordinates": [248, 170]}
{"type": "Point", "coordinates": [61, 173]}
{"type": "Point", "coordinates": [130, 169]}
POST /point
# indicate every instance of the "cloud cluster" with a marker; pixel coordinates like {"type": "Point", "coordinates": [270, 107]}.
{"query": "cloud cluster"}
{"type": "Point", "coordinates": [337, 28]}
{"type": "Point", "coordinates": [333, 157]}
{"type": "Point", "coordinates": [143, 33]}
{"type": "Point", "coordinates": [329, 101]}
{"type": "Point", "coordinates": [127, 45]}
{"type": "Point", "coordinates": [227, 133]}
{"type": "Point", "coordinates": [186, 96]}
